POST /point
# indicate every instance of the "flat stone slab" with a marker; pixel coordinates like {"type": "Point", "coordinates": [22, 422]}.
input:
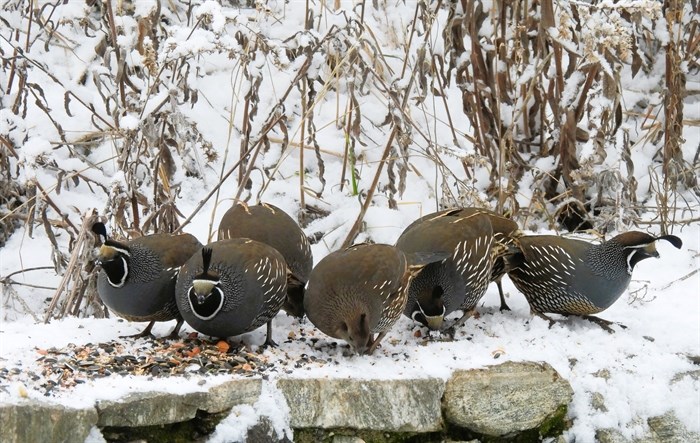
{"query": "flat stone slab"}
{"type": "Point", "coordinates": [159, 408]}
{"type": "Point", "coordinates": [32, 421]}
{"type": "Point", "coordinates": [148, 409]}
{"type": "Point", "coordinates": [505, 399]}
{"type": "Point", "coordinates": [231, 393]}
{"type": "Point", "coordinates": [377, 405]}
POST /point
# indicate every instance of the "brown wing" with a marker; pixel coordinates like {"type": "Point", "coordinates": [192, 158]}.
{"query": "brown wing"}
{"type": "Point", "coordinates": [174, 250]}
{"type": "Point", "coordinates": [269, 224]}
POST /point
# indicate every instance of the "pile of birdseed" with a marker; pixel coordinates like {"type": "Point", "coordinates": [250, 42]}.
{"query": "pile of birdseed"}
{"type": "Point", "coordinates": [66, 367]}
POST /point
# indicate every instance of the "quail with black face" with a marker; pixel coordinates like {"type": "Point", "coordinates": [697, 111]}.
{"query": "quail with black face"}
{"type": "Point", "coordinates": [269, 224]}
{"type": "Point", "coordinates": [573, 277]}
{"type": "Point", "coordinates": [459, 281]}
{"type": "Point", "coordinates": [505, 231]}
{"type": "Point", "coordinates": [234, 286]}
{"type": "Point", "coordinates": [137, 279]}
{"type": "Point", "coordinates": [357, 292]}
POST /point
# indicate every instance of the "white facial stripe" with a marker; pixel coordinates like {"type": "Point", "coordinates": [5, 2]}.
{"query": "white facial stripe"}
{"type": "Point", "coordinates": [200, 281]}
{"type": "Point", "coordinates": [121, 282]}
{"type": "Point", "coordinates": [642, 246]}
{"type": "Point", "coordinates": [629, 261]}
{"type": "Point", "coordinates": [121, 251]}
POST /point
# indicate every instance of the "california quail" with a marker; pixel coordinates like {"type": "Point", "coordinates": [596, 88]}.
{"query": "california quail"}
{"type": "Point", "coordinates": [457, 282]}
{"type": "Point", "coordinates": [271, 225]}
{"type": "Point", "coordinates": [137, 280]}
{"type": "Point", "coordinates": [573, 277]}
{"type": "Point", "coordinates": [505, 231]}
{"type": "Point", "coordinates": [234, 286]}
{"type": "Point", "coordinates": [357, 292]}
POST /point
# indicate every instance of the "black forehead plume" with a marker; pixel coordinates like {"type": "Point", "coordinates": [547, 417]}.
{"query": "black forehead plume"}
{"type": "Point", "coordinates": [675, 241]}
{"type": "Point", "coordinates": [206, 260]}
{"type": "Point", "coordinates": [100, 229]}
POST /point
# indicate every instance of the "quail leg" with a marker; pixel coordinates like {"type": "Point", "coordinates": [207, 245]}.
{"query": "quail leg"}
{"type": "Point", "coordinates": [268, 340]}
{"type": "Point", "coordinates": [375, 343]}
{"type": "Point", "coordinates": [145, 333]}
{"type": "Point", "coordinates": [466, 316]}
{"type": "Point", "coordinates": [605, 324]}
{"type": "Point", "coordinates": [175, 334]}
{"type": "Point", "coordinates": [450, 331]}
{"type": "Point", "coordinates": [504, 305]}
{"type": "Point", "coordinates": [551, 321]}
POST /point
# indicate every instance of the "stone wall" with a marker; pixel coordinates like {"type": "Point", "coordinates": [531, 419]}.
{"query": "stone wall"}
{"type": "Point", "coordinates": [511, 401]}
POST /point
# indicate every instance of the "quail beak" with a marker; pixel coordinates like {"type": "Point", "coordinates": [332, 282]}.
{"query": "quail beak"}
{"type": "Point", "coordinates": [200, 297]}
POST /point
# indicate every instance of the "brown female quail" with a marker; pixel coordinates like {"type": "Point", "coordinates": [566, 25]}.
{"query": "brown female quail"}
{"type": "Point", "coordinates": [358, 292]}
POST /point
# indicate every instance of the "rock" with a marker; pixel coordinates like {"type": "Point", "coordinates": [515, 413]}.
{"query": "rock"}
{"type": "Point", "coordinates": [159, 408]}
{"type": "Point", "coordinates": [347, 439]}
{"type": "Point", "coordinates": [662, 429]}
{"type": "Point", "coordinates": [185, 431]}
{"type": "Point", "coordinates": [695, 375]}
{"type": "Point", "coordinates": [264, 432]}
{"type": "Point", "coordinates": [232, 393]}
{"type": "Point", "coordinates": [40, 422]}
{"type": "Point", "coordinates": [148, 409]}
{"type": "Point", "coordinates": [610, 436]}
{"type": "Point", "coordinates": [668, 429]}
{"type": "Point", "coordinates": [378, 405]}
{"type": "Point", "coordinates": [598, 402]}
{"type": "Point", "coordinates": [506, 399]}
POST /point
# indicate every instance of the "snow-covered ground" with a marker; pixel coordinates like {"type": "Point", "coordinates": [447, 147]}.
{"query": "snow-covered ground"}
{"type": "Point", "coordinates": [638, 370]}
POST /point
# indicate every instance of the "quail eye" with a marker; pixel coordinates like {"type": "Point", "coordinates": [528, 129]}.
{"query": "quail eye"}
{"type": "Point", "coordinates": [344, 327]}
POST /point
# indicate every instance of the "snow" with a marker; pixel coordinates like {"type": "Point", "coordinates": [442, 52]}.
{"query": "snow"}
{"type": "Point", "coordinates": [271, 405]}
{"type": "Point", "coordinates": [35, 147]}
{"type": "Point", "coordinates": [640, 371]}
